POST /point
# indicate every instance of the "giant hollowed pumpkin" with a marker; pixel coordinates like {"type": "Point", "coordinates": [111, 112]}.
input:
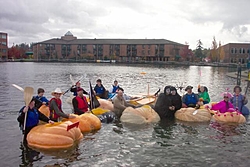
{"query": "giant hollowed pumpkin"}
{"type": "Point", "coordinates": [106, 104]}
{"type": "Point", "coordinates": [191, 115]}
{"type": "Point", "coordinates": [87, 122]}
{"type": "Point", "coordinates": [230, 117]}
{"type": "Point", "coordinates": [45, 110]}
{"type": "Point", "coordinates": [144, 114]}
{"type": "Point", "coordinates": [53, 136]}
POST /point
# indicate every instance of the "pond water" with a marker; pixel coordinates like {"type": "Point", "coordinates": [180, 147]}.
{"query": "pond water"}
{"type": "Point", "coordinates": [163, 144]}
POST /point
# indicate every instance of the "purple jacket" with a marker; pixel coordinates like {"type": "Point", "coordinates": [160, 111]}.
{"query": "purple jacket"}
{"type": "Point", "coordinates": [222, 106]}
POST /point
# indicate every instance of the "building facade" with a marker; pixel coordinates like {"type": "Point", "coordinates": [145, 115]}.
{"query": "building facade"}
{"type": "Point", "coordinates": [3, 46]}
{"type": "Point", "coordinates": [236, 52]}
{"type": "Point", "coordinates": [69, 47]}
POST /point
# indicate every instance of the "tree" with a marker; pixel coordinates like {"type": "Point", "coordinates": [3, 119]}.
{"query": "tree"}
{"type": "Point", "coordinates": [214, 51]}
{"type": "Point", "coordinates": [186, 53]}
{"type": "Point", "coordinates": [198, 51]}
{"type": "Point", "coordinates": [221, 52]}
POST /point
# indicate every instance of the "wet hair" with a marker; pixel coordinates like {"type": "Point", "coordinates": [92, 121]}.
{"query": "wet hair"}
{"type": "Point", "coordinates": [237, 87]}
{"type": "Point", "coordinates": [40, 90]}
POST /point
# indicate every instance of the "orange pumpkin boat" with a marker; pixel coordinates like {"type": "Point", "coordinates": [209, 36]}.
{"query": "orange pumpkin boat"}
{"type": "Point", "coordinates": [193, 115]}
{"type": "Point", "coordinates": [87, 122]}
{"type": "Point", "coordinates": [229, 117]}
{"type": "Point", "coordinates": [144, 114]}
{"type": "Point", "coordinates": [53, 136]}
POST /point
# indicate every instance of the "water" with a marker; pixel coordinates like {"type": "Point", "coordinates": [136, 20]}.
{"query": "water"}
{"type": "Point", "coordinates": [163, 144]}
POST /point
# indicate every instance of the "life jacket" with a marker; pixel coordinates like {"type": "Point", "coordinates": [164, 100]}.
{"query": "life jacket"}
{"type": "Point", "coordinates": [115, 88]}
{"type": "Point", "coordinates": [53, 114]}
{"type": "Point", "coordinates": [82, 103]}
{"type": "Point", "coordinates": [99, 89]}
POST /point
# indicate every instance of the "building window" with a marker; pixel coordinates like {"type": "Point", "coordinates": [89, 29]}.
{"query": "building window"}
{"type": "Point", "coordinates": [4, 43]}
{"type": "Point", "coordinates": [143, 46]}
{"type": "Point", "coordinates": [143, 52]}
{"type": "Point", "coordinates": [4, 50]}
{"type": "Point", "coordinates": [149, 46]}
{"type": "Point", "coordinates": [148, 52]}
{"type": "Point", "coordinates": [4, 36]}
{"type": "Point", "coordinates": [234, 50]}
{"type": "Point", "coordinates": [248, 51]}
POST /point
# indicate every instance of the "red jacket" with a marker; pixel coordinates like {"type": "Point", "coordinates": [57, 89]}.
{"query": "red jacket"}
{"type": "Point", "coordinates": [80, 105]}
{"type": "Point", "coordinates": [53, 114]}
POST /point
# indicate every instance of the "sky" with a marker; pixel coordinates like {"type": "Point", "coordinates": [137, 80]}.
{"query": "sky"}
{"type": "Point", "coordinates": [182, 21]}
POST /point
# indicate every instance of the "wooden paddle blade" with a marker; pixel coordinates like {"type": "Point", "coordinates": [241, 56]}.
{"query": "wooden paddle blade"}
{"type": "Point", "coordinates": [76, 124]}
{"type": "Point", "coordinates": [28, 95]}
{"type": "Point", "coordinates": [18, 87]}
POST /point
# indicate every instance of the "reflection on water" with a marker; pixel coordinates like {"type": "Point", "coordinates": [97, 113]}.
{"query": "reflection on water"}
{"type": "Point", "coordinates": [167, 143]}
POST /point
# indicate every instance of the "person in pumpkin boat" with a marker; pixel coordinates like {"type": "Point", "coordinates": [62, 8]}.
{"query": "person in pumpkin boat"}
{"type": "Point", "coordinates": [190, 99]}
{"type": "Point", "coordinates": [32, 118]}
{"type": "Point", "coordinates": [40, 98]}
{"type": "Point", "coordinates": [120, 103]}
{"type": "Point", "coordinates": [163, 105]}
{"type": "Point", "coordinates": [176, 101]}
{"type": "Point", "coordinates": [239, 101]}
{"type": "Point", "coordinates": [203, 93]}
{"type": "Point", "coordinates": [55, 106]}
{"type": "Point", "coordinates": [80, 103]}
{"type": "Point", "coordinates": [75, 87]}
{"type": "Point", "coordinates": [100, 90]}
{"type": "Point", "coordinates": [224, 105]}
{"type": "Point", "coordinates": [113, 90]}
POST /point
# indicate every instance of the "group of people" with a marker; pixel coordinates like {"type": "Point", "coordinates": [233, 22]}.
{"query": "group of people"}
{"type": "Point", "coordinates": [166, 105]}
{"type": "Point", "coordinates": [170, 101]}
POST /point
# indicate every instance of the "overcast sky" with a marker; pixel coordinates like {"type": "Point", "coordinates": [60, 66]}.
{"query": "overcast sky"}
{"type": "Point", "coordinates": [28, 21]}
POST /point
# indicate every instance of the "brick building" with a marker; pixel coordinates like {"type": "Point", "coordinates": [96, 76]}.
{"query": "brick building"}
{"type": "Point", "coordinates": [3, 46]}
{"type": "Point", "coordinates": [69, 47]}
{"type": "Point", "coordinates": [236, 52]}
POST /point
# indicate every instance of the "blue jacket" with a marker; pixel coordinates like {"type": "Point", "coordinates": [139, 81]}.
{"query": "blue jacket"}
{"type": "Point", "coordinates": [115, 88]}
{"type": "Point", "coordinates": [190, 99]}
{"type": "Point", "coordinates": [33, 117]}
{"type": "Point", "coordinates": [99, 89]}
{"type": "Point", "coordinates": [42, 99]}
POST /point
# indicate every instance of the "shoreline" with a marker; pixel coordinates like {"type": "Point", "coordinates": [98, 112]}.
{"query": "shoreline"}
{"type": "Point", "coordinates": [174, 63]}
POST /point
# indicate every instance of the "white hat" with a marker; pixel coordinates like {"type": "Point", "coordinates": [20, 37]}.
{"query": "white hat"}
{"type": "Point", "coordinates": [58, 90]}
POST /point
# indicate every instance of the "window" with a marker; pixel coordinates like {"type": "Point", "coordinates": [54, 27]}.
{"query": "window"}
{"type": "Point", "coordinates": [4, 50]}
{"type": "Point", "coordinates": [4, 36]}
{"type": "Point", "coordinates": [4, 43]}
{"type": "Point", "coordinates": [143, 46]}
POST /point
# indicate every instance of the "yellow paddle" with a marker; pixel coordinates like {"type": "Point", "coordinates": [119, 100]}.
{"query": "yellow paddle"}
{"type": "Point", "coordinates": [28, 95]}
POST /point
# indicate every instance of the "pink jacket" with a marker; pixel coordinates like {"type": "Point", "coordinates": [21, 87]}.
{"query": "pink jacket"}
{"type": "Point", "coordinates": [222, 106]}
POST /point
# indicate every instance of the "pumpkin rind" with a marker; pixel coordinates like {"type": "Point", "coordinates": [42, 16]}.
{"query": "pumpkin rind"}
{"type": "Point", "coordinates": [230, 117]}
{"type": "Point", "coordinates": [142, 115]}
{"type": "Point", "coordinates": [53, 136]}
{"type": "Point", "coordinates": [87, 122]}
{"type": "Point", "coordinates": [186, 114]}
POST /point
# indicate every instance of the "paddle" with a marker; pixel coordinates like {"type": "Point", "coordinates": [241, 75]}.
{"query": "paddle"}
{"type": "Point", "coordinates": [18, 87]}
{"type": "Point", "coordinates": [74, 84]}
{"type": "Point", "coordinates": [28, 95]}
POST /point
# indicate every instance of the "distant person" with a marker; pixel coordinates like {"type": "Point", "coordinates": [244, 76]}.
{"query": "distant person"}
{"type": "Point", "coordinates": [120, 103]}
{"type": "Point", "coordinates": [190, 99]}
{"type": "Point", "coordinates": [176, 100]}
{"type": "Point", "coordinates": [239, 101]}
{"type": "Point", "coordinates": [55, 106]}
{"type": "Point", "coordinates": [100, 90]}
{"type": "Point", "coordinates": [113, 89]}
{"type": "Point", "coordinates": [75, 87]}
{"type": "Point", "coordinates": [40, 98]}
{"type": "Point", "coordinates": [80, 103]}
{"type": "Point", "coordinates": [203, 93]}
{"type": "Point", "coordinates": [239, 70]}
{"type": "Point", "coordinates": [33, 117]}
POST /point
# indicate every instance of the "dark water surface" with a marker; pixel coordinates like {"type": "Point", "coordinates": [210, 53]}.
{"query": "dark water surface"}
{"type": "Point", "coordinates": [164, 144]}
